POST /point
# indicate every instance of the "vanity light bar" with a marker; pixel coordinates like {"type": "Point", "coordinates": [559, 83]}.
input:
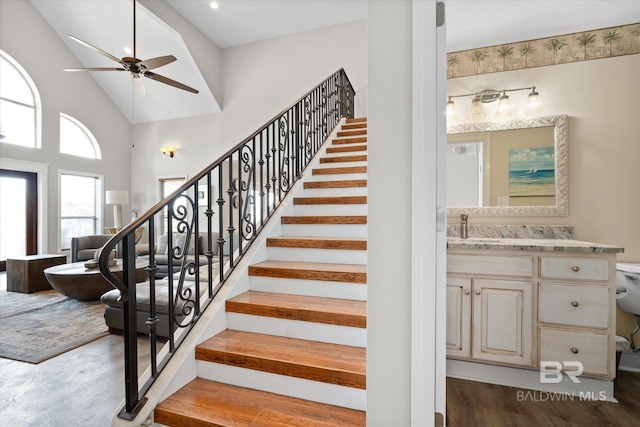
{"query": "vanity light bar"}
{"type": "Point", "coordinates": [534, 103]}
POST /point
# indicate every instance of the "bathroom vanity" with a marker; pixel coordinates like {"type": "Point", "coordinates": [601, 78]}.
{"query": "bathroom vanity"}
{"type": "Point", "coordinates": [519, 302]}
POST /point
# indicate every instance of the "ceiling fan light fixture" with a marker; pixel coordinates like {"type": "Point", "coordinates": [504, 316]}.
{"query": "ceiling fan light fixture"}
{"type": "Point", "coordinates": [138, 84]}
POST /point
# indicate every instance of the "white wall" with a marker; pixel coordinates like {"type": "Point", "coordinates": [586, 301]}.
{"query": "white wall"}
{"type": "Point", "coordinates": [601, 99]}
{"type": "Point", "coordinates": [259, 80]}
{"type": "Point", "coordinates": [29, 39]}
{"type": "Point", "coordinates": [389, 214]}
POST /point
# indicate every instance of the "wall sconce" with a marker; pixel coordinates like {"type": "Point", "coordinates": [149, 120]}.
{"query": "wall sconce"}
{"type": "Point", "coordinates": [168, 151]}
{"type": "Point", "coordinates": [504, 109]}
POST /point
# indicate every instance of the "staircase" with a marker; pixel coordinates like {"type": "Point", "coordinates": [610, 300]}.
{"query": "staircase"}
{"type": "Point", "coordinates": [294, 349]}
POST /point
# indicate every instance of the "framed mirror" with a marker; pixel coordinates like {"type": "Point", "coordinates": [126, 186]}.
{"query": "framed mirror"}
{"type": "Point", "coordinates": [513, 167]}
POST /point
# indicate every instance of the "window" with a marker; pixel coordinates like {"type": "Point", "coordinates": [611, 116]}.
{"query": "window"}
{"type": "Point", "coordinates": [168, 186]}
{"type": "Point", "coordinates": [76, 139]}
{"type": "Point", "coordinates": [79, 207]}
{"type": "Point", "coordinates": [20, 115]}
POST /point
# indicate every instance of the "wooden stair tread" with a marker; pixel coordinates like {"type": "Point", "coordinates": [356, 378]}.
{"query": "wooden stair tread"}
{"type": "Point", "coordinates": [346, 219]}
{"type": "Point", "coordinates": [346, 148]}
{"type": "Point", "coordinates": [331, 200]}
{"type": "Point", "coordinates": [357, 132]}
{"type": "Point", "coordinates": [304, 308]}
{"type": "Point", "coordinates": [337, 171]}
{"type": "Point", "coordinates": [202, 402]}
{"type": "Point", "coordinates": [351, 126]}
{"type": "Point", "coordinates": [312, 360]}
{"type": "Point", "coordinates": [344, 159]}
{"type": "Point", "coordinates": [351, 243]}
{"type": "Point", "coordinates": [357, 120]}
{"type": "Point", "coordinates": [350, 273]}
{"type": "Point", "coordinates": [352, 140]}
{"type": "Point", "coordinates": [346, 183]}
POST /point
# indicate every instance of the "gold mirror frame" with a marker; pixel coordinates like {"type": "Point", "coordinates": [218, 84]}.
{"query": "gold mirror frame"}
{"type": "Point", "coordinates": [561, 207]}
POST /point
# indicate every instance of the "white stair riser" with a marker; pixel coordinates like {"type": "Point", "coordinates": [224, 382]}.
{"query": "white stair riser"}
{"type": "Point", "coordinates": [317, 288]}
{"type": "Point", "coordinates": [337, 177]}
{"type": "Point", "coordinates": [341, 209]}
{"type": "Point", "coordinates": [340, 165]}
{"type": "Point", "coordinates": [336, 256]}
{"type": "Point", "coordinates": [334, 334]}
{"type": "Point", "coordinates": [345, 153]}
{"type": "Point", "coordinates": [322, 230]}
{"type": "Point", "coordinates": [329, 192]}
{"type": "Point", "coordinates": [289, 386]}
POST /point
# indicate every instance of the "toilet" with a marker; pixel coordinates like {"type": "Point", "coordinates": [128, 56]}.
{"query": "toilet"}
{"type": "Point", "coordinates": [628, 292]}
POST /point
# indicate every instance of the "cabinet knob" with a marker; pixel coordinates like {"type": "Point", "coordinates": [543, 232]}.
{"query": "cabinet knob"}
{"type": "Point", "coordinates": [575, 268]}
{"type": "Point", "coordinates": [574, 350]}
{"type": "Point", "coordinates": [575, 303]}
{"type": "Point", "coordinates": [466, 292]}
{"type": "Point", "coordinates": [478, 292]}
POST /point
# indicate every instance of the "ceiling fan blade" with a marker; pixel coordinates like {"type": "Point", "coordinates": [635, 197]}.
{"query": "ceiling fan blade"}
{"type": "Point", "coordinates": [152, 63]}
{"type": "Point", "coordinates": [95, 69]}
{"type": "Point", "coordinates": [100, 51]}
{"type": "Point", "coordinates": [168, 81]}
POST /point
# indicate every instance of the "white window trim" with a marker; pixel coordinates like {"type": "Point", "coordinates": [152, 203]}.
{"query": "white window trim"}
{"type": "Point", "coordinates": [90, 136]}
{"type": "Point", "coordinates": [36, 97]}
{"type": "Point", "coordinates": [99, 201]}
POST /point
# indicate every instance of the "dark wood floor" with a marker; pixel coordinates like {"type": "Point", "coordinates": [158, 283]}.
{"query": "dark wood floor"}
{"type": "Point", "coordinates": [475, 404]}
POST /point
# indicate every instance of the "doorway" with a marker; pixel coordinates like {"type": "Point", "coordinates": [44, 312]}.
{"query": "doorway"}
{"type": "Point", "coordinates": [18, 214]}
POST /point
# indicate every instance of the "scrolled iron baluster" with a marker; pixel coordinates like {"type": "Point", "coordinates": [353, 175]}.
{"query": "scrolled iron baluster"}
{"type": "Point", "coordinates": [248, 221]}
{"type": "Point", "coordinates": [284, 150]}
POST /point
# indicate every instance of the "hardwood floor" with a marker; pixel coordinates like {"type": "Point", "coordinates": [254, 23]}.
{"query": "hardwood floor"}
{"type": "Point", "coordinates": [476, 404]}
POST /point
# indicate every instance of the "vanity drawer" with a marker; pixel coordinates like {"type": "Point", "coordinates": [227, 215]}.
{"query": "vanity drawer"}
{"type": "Point", "coordinates": [589, 348]}
{"type": "Point", "coordinates": [501, 265]}
{"type": "Point", "coordinates": [574, 268]}
{"type": "Point", "coordinates": [586, 306]}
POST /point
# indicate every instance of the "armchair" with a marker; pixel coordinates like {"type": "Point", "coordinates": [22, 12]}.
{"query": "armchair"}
{"type": "Point", "coordinates": [84, 248]}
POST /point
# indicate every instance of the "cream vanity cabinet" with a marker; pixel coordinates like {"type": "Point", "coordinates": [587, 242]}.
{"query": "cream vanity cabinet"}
{"type": "Point", "coordinates": [576, 311]}
{"type": "Point", "coordinates": [520, 307]}
{"type": "Point", "coordinates": [490, 308]}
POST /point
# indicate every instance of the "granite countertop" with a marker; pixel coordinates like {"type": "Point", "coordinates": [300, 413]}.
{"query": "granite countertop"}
{"type": "Point", "coordinates": [556, 245]}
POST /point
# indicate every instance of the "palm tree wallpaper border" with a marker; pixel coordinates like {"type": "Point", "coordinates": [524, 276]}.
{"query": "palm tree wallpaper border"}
{"type": "Point", "coordinates": [575, 47]}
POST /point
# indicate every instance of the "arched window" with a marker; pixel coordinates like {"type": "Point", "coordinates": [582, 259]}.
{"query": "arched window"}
{"type": "Point", "coordinates": [76, 139]}
{"type": "Point", "coordinates": [20, 107]}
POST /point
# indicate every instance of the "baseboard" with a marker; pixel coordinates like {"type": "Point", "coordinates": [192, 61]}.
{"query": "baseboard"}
{"type": "Point", "coordinates": [630, 361]}
{"type": "Point", "coordinates": [587, 389]}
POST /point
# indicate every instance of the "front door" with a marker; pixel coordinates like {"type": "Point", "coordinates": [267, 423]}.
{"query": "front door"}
{"type": "Point", "coordinates": [18, 215]}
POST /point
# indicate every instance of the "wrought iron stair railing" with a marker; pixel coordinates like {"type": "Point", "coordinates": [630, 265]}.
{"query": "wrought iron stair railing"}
{"type": "Point", "coordinates": [209, 223]}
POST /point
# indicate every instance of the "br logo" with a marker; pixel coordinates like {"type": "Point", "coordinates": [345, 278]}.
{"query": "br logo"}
{"type": "Point", "coordinates": [551, 371]}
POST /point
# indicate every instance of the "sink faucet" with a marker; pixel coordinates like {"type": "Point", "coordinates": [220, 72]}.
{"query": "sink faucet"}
{"type": "Point", "coordinates": [463, 225]}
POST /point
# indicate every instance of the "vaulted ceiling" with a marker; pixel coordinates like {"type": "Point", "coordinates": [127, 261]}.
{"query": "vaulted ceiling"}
{"type": "Point", "coordinates": [109, 26]}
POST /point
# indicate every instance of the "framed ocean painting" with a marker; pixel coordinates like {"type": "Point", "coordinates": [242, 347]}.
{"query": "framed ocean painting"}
{"type": "Point", "coordinates": [532, 172]}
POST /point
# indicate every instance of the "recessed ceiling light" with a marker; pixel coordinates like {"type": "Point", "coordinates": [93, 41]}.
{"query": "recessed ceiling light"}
{"type": "Point", "coordinates": [127, 50]}
{"type": "Point", "coordinates": [214, 5]}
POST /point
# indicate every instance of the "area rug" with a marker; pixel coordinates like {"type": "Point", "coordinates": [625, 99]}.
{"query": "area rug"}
{"type": "Point", "coordinates": [48, 326]}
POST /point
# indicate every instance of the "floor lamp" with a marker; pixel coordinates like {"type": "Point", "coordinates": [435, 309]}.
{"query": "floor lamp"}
{"type": "Point", "coordinates": [117, 198]}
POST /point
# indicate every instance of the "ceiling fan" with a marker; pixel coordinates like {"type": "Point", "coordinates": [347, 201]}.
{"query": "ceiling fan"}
{"type": "Point", "coordinates": [137, 67]}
